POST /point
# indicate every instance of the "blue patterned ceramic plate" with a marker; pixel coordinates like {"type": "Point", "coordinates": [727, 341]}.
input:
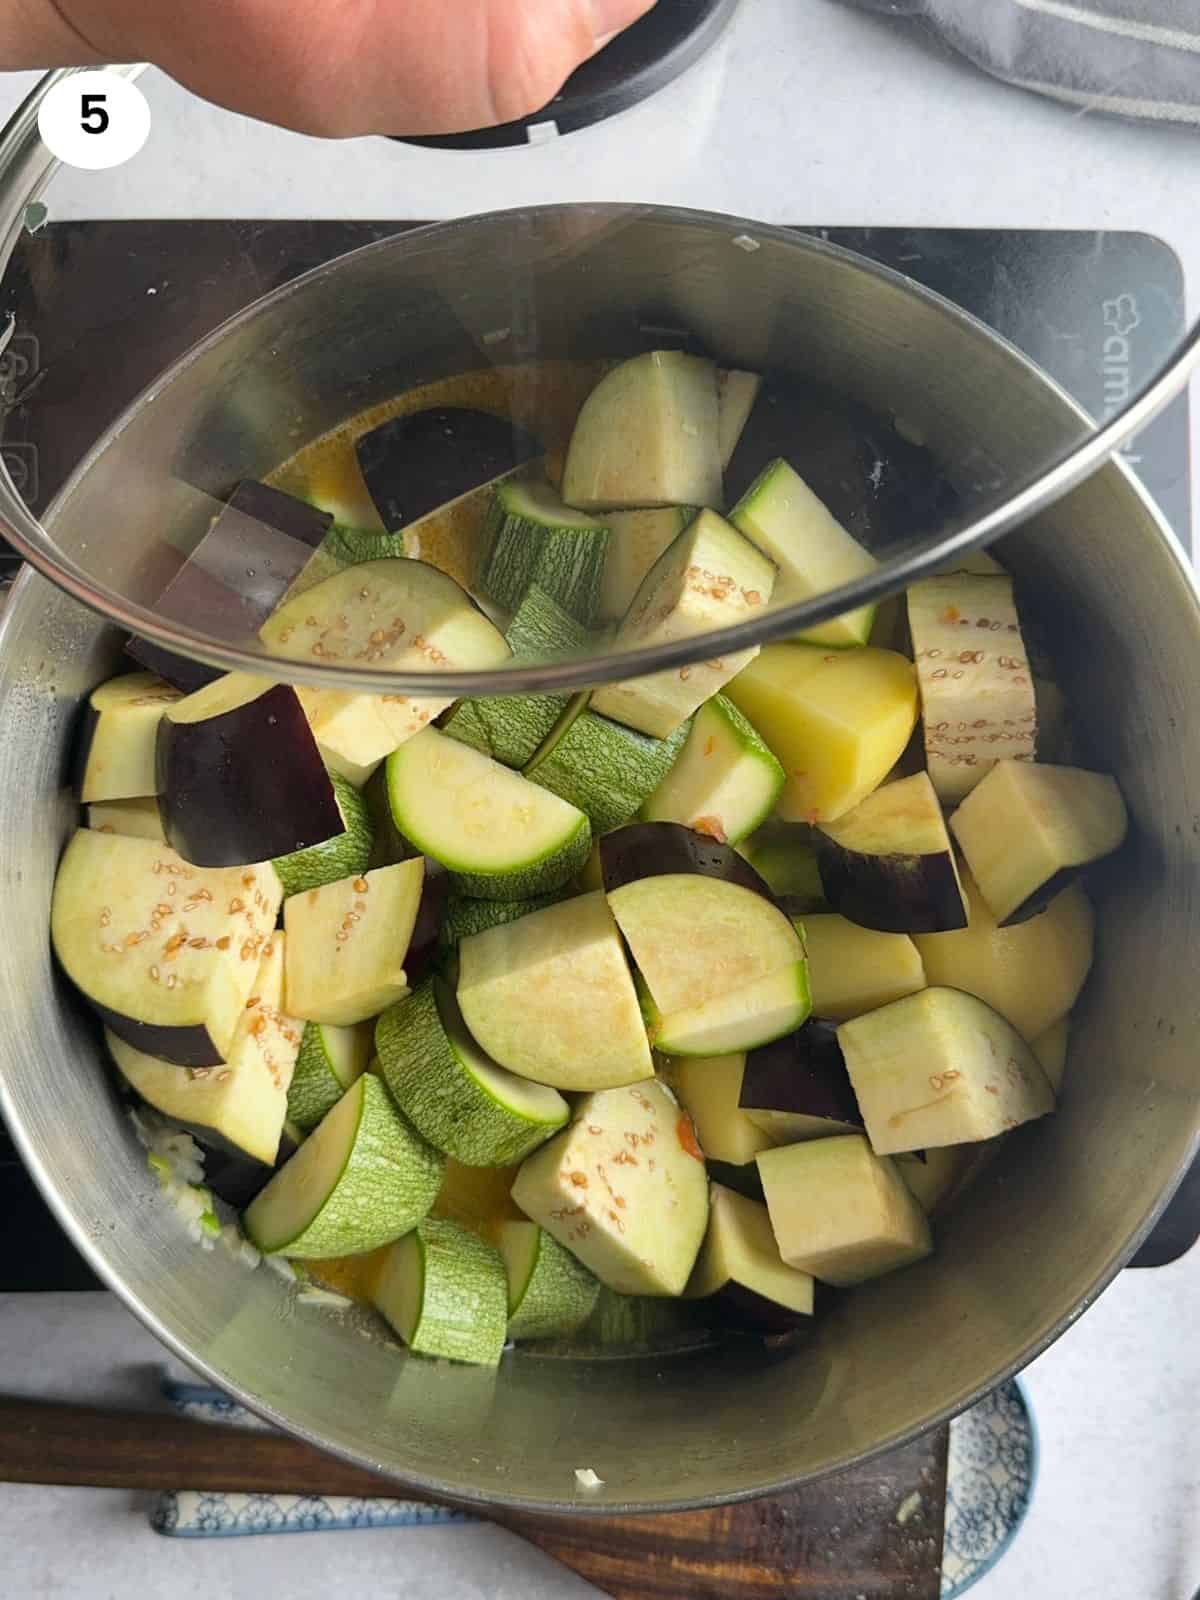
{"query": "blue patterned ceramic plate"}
{"type": "Point", "coordinates": [993, 1461]}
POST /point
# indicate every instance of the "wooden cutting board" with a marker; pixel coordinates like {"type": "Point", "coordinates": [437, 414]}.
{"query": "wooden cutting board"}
{"type": "Point", "coordinates": [872, 1533]}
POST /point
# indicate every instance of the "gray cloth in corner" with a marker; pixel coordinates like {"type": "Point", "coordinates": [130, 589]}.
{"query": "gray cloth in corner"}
{"type": "Point", "coordinates": [1133, 58]}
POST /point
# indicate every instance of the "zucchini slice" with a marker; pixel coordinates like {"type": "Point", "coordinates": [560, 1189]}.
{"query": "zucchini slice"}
{"type": "Point", "coordinates": [639, 1219]}
{"type": "Point", "coordinates": [602, 767]}
{"type": "Point", "coordinates": [838, 720]}
{"type": "Point", "coordinates": [451, 1092]}
{"type": "Point", "coordinates": [499, 836]}
{"type": "Point", "coordinates": [348, 942]}
{"type": "Point", "coordinates": [977, 693]}
{"type": "Point", "coordinates": [725, 782]}
{"type": "Point", "coordinates": [636, 540]}
{"type": "Point", "coordinates": [445, 1292]}
{"type": "Point", "coordinates": [761, 1011]}
{"type": "Point", "coordinates": [813, 552]}
{"type": "Point", "coordinates": [330, 1060]}
{"type": "Point", "coordinates": [510, 728]}
{"type": "Point", "coordinates": [648, 435]}
{"type": "Point", "coordinates": [841, 1212]}
{"type": "Point", "coordinates": [1030, 972]}
{"type": "Point", "coordinates": [363, 1178]}
{"type": "Point", "coordinates": [165, 952]}
{"type": "Point", "coordinates": [550, 1294]}
{"type": "Point", "coordinates": [1027, 830]}
{"type": "Point", "coordinates": [140, 819]}
{"type": "Point", "coordinates": [244, 1103]}
{"type": "Point", "coordinates": [939, 1068]}
{"type": "Point", "coordinates": [343, 855]}
{"type": "Point", "coordinates": [532, 537]}
{"type": "Point", "coordinates": [397, 613]}
{"type": "Point", "coordinates": [711, 577]}
{"type": "Point", "coordinates": [551, 998]}
{"type": "Point", "coordinates": [115, 754]}
{"type": "Point", "coordinates": [740, 1263]}
{"type": "Point", "coordinates": [465, 916]}
{"type": "Point", "coordinates": [889, 863]}
{"type": "Point", "coordinates": [853, 969]}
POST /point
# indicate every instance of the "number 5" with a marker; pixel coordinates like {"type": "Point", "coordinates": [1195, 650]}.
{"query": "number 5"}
{"type": "Point", "coordinates": [93, 117]}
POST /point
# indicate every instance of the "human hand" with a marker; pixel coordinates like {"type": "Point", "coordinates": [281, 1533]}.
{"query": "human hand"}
{"type": "Point", "coordinates": [333, 67]}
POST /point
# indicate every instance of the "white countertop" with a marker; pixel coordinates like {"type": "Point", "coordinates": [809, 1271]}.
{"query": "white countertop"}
{"type": "Point", "coordinates": [773, 125]}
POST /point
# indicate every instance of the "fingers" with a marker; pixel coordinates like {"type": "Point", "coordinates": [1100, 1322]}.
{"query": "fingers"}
{"type": "Point", "coordinates": [346, 67]}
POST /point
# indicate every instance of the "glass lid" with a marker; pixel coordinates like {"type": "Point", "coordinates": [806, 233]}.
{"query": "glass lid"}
{"type": "Point", "coordinates": [772, 310]}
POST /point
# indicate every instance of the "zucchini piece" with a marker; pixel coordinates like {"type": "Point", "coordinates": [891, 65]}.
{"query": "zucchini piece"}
{"type": "Point", "coordinates": [330, 1060]}
{"type": "Point", "coordinates": [648, 435]}
{"type": "Point", "coordinates": [551, 998]}
{"type": "Point", "coordinates": [115, 755]}
{"type": "Point", "coordinates": [602, 767]}
{"type": "Point", "coordinates": [510, 728]}
{"type": "Point", "coordinates": [977, 694]}
{"type": "Point", "coordinates": [499, 836]}
{"type": "Point", "coordinates": [853, 969]}
{"type": "Point", "coordinates": [1027, 830]}
{"type": "Point", "coordinates": [695, 938]}
{"type": "Point", "coordinates": [725, 782]}
{"type": "Point", "coordinates": [348, 943]}
{"type": "Point", "coordinates": [637, 1222]}
{"type": "Point", "coordinates": [1050, 1048]}
{"type": "Point", "coordinates": [711, 577]}
{"type": "Point", "coordinates": [416, 463]}
{"type": "Point", "coordinates": [841, 1212]}
{"type": "Point", "coordinates": [838, 720]}
{"type": "Point", "coordinates": [761, 1011]}
{"type": "Point", "coordinates": [164, 952]}
{"type": "Point", "coordinates": [343, 547]}
{"type": "Point", "coordinates": [740, 1264]}
{"type": "Point", "coordinates": [889, 863]}
{"type": "Point", "coordinates": [781, 515]}
{"type": "Point", "coordinates": [361, 1179]}
{"type": "Point", "coordinates": [140, 819]}
{"type": "Point", "coordinates": [939, 1068]}
{"type": "Point", "coordinates": [344, 855]}
{"type": "Point", "coordinates": [736, 394]}
{"type": "Point", "coordinates": [399, 613]}
{"type": "Point", "coordinates": [798, 1088]}
{"type": "Point", "coordinates": [642, 1323]}
{"type": "Point", "coordinates": [451, 1092]}
{"type": "Point", "coordinates": [465, 916]}
{"type": "Point", "coordinates": [1030, 972]}
{"type": "Point", "coordinates": [243, 1104]}
{"type": "Point", "coordinates": [532, 537]}
{"type": "Point", "coordinates": [550, 1294]}
{"type": "Point", "coordinates": [709, 1091]}
{"type": "Point", "coordinates": [636, 540]}
{"type": "Point", "coordinates": [240, 777]}
{"type": "Point", "coordinates": [445, 1292]}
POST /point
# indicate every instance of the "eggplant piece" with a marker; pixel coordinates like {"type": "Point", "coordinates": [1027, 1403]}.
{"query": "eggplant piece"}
{"type": "Point", "coordinates": [235, 577]}
{"type": "Point", "coordinates": [232, 1174]}
{"type": "Point", "coordinates": [412, 465]}
{"type": "Point", "coordinates": [739, 1264]}
{"type": "Point", "coordinates": [1026, 831]}
{"type": "Point", "coordinates": [240, 776]}
{"type": "Point", "coordinates": [889, 864]}
{"type": "Point", "coordinates": [114, 748]}
{"type": "Point", "coordinates": [798, 1088]}
{"type": "Point", "coordinates": [661, 849]}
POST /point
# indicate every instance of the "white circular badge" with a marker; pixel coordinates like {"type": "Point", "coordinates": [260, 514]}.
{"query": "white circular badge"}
{"type": "Point", "coordinates": [94, 120]}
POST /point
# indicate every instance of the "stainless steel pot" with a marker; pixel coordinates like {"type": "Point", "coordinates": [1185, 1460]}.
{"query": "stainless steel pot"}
{"type": "Point", "coordinates": [1037, 1237]}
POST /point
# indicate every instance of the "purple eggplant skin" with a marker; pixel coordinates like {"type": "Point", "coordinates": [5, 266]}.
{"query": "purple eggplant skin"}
{"type": "Point", "coordinates": [656, 849]}
{"type": "Point", "coordinates": [744, 1180]}
{"type": "Point", "coordinates": [898, 893]}
{"type": "Point", "coordinates": [182, 1047]}
{"type": "Point", "coordinates": [231, 1174]}
{"type": "Point", "coordinates": [804, 1073]}
{"type": "Point", "coordinates": [424, 951]}
{"type": "Point", "coordinates": [1033, 905]}
{"type": "Point", "coordinates": [245, 786]}
{"type": "Point", "coordinates": [236, 575]}
{"type": "Point", "coordinates": [411, 465]}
